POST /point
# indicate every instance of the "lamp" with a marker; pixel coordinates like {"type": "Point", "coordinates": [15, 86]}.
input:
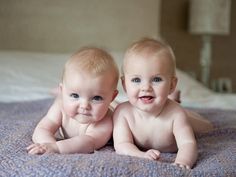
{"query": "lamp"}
{"type": "Point", "coordinates": [207, 18]}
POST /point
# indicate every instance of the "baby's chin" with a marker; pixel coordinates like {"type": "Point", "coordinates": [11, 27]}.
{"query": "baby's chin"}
{"type": "Point", "coordinates": [145, 109]}
{"type": "Point", "coordinates": [83, 119]}
{"type": "Point", "coordinates": [149, 108]}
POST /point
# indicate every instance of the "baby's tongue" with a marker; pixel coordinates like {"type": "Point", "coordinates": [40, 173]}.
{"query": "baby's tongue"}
{"type": "Point", "coordinates": [146, 99]}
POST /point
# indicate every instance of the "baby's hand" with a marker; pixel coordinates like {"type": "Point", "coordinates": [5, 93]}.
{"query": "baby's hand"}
{"type": "Point", "coordinates": [42, 148]}
{"type": "Point", "coordinates": [152, 154]}
{"type": "Point", "coordinates": [182, 166]}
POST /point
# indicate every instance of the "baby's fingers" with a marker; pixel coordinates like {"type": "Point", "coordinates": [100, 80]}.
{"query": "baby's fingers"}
{"type": "Point", "coordinates": [36, 149]}
{"type": "Point", "coordinates": [153, 154]}
{"type": "Point", "coordinates": [32, 146]}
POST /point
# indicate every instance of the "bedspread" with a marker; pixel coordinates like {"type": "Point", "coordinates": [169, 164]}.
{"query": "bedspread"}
{"type": "Point", "coordinates": [217, 149]}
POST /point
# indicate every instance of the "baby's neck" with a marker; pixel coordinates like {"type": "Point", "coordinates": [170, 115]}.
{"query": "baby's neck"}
{"type": "Point", "coordinates": [146, 115]}
{"type": "Point", "coordinates": [150, 114]}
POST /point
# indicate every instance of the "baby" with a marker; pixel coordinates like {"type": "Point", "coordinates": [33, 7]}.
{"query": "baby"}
{"type": "Point", "coordinates": [81, 110]}
{"type": "Point", "coordinates": [150, 123]}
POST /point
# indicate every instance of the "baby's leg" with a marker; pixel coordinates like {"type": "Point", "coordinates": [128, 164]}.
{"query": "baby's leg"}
{"type": "Point", "coordinates": [199, 123]}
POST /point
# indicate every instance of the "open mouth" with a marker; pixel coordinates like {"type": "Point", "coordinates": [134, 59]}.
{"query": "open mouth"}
{"type": "Point", "coordinates": [146, 99]}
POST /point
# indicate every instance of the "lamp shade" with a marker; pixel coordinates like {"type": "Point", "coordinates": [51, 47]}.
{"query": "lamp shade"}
{"type": "Point", "coordinates": [209, 17]}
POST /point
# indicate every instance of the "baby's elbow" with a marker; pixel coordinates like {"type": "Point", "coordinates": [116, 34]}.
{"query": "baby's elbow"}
{"type": "Point", "coordinates": [120, 148]}
{"type": "Point", "coordinates": [34, 138]}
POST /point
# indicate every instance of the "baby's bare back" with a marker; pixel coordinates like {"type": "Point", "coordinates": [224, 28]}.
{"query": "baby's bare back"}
{"type": "Point", "coordinates": [199, 123]}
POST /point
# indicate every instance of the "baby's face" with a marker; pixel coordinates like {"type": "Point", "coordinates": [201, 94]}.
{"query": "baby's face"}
{"type": "Point", "coordinates": [148, 81]}
{"type": "Point", "coordinates": [86, 98]}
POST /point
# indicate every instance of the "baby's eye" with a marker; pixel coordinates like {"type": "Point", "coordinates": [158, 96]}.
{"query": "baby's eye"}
{"type": "Point", "coordinates": [157, 79]}
{"type": "Point", "coordinates": [136, 80]}
{"type": "Point", "coordinates": [97, 98]}
{"type": "Point", "coordinates": [74, 95]}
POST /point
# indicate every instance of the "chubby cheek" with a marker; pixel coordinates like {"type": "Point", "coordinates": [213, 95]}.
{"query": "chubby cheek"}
{"type": "Point", "coordinates": [131, 91]}
{"type": "Point", "coordinates": [99, 111]}
{"type": "Point", "coordinates": [162, 92]}
{"type": "Point", "coordinates": [70, 109]}
{"type": "Point", "coordinates": [131, 95]}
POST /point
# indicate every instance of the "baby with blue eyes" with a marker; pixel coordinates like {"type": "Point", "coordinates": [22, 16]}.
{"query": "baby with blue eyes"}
{"type": "Point", "coordinates": [81, 110]}
{"type": "Point", "coordinates": [150, 123]}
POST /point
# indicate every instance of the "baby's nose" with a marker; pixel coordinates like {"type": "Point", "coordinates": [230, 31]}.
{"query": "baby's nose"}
{"type": "Point", "coordinates": [146, 86]}
{"type": "Point", "coordinates": [85, 105]}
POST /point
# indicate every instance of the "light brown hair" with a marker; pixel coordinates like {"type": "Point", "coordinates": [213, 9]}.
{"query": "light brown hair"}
{"type": "Point", "coordinates": [149, 46]}
{"type": "Point", "coordinates": [94, 61]}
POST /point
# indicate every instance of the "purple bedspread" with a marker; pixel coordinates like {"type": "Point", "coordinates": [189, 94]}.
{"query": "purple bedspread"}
{"type": "Point", "coordinates": [217, 150]}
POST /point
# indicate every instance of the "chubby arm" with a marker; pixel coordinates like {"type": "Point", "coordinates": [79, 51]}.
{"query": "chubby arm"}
{"type": "Point", "coordinates": [186, 142]}
{"type": "Point", "coordinates": [49, 124]}
{"type": "Point", "coordinates": [96, 136]}
{"type": "Point", "coordinates": [43, 136]}
{"type": "Point", "coordinates": [123, 138]}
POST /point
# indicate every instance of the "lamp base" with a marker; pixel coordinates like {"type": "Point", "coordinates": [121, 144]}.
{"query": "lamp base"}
{"type": "Point", "coordinates": [205, 59]}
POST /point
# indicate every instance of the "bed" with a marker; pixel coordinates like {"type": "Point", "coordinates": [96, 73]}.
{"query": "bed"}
{"type": "Point", "coordinates": [27, 79]}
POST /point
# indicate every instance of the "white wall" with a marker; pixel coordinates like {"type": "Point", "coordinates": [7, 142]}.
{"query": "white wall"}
{"type": "Point", "coordinates": [64, 26]}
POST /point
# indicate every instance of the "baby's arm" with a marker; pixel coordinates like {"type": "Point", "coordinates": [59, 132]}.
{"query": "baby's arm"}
{"type": "Point", "coordinates": [47, 127]}
{"type": "Point", "coordinates": [186, 142]}
{"type": "Point", "coordinates": [43, 136]}
{"type": "Point", "coordinates": [97, 135]}
{"type": "Point", "coordinates": [76, 144]}
{"type": "Point", "coordinates": [123, 139]}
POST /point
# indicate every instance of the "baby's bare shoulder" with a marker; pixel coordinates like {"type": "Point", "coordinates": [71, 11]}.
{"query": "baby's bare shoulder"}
{"type": "Point", "coordinates": [122, 110]}
{"type": "Point", "coordinates": [175, 111]}
{"type": "Point", "coordinates": [57, 104]}
{"type": "Point", "coordinates": [55, 110]}
{"type": "Point", "coordinates": [123, 107]}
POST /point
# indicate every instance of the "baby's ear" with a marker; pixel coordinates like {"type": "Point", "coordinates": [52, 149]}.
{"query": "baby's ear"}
{"type": "Point", "coordinates": [60, 88]}
{"type": "Point", "coordinates": [56, 91]}
{"type": "Point", "coordinates": [173, 84]}
{"type": "Point", "coordinates": [123, 82]}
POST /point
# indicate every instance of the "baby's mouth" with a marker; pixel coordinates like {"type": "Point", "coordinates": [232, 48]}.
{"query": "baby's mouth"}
{"type": "Point", "coordinates": [84, 113]}
{"type": "Point", "coordinates": [146, 99]}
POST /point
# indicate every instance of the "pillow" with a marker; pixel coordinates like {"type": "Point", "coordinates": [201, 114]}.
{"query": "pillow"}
{"type": "Point", "coordinates": [28, 75]}
{"type": "Point", "coordinates": [33, 75]}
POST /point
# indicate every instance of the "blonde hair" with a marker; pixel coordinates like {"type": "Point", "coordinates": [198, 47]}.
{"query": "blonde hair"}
{"type": "Point", "coordinates": [149, 46]}
{"type": "Point", "coordinates": [94, 61]}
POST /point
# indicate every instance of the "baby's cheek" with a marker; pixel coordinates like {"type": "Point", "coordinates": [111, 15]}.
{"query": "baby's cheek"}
{"type": "Point", "coordinates": [70, 111]}
{"type": "Point", "coordinates": [101, 111]}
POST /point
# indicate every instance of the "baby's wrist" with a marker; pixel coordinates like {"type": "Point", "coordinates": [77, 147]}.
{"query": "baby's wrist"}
{"type": "Point", "coordinates": [56, 148]}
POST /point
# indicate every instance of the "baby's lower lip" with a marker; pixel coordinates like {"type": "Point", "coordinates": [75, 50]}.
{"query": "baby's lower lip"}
{"type": "Point", "coordinates": [83, 114]}
{"type": "Point", "coordinates": [146, 99]}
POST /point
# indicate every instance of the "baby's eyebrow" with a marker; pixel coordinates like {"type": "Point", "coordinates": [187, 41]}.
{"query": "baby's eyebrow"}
{"type": "Point", "coordinates": [135, 75]}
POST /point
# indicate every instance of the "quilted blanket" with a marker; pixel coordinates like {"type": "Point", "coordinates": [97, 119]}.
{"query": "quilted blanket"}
{"type": "Point", "coordinates": [217, 150]}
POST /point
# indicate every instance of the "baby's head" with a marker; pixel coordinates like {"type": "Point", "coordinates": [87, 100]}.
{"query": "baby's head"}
{"type": "Point", "coordinates": [148, 74]}
{"type": "Point", "coordinates": [150, 49]}
{"type": "Point", "coordinates": [92, 61]}
{"type": "Point", "coordinates": [89, 84]}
